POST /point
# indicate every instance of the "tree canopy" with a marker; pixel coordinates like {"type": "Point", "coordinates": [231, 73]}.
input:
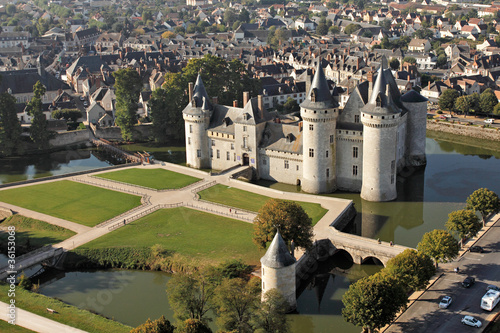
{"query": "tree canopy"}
{"type": "Point", "coordinates": [483, 201]}
{"type": "Point", "coordinates": [289, 217]}
{"type": "Point", "coordinates": [271, 314]}
{"type": "Point", "coordinates": [464, 223]}
{"type": "Point", "coordinates": [10, 128]}
{"type": "Point", "coordinates": [412, 269]}
{"type": "Point", "coordinates": [394, 64]}
{"type": "Point", "coordinates": [487, 101]}
{"type": "Point", "coordinates": [447, 99]}
{"type": "Point", "coordinates": [38, 129]}
{"type": "Point", "coordinates": [462, 105]}
{"type": "Point", "coordinates": [440, 245]}
{"type": "Point", "coordinates": [160, 325]}
{"type": "Point", "coordinates": [351, 28]}
{"type": "Point", "coordinates": [128, 85]}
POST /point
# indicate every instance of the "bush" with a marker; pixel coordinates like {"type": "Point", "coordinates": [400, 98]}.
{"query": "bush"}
{"type": "Point", "coordinates": [439, 112]}
{"type": "Point", "coordinates": [234, 269]}
{"type": "Point", "coordinates": [25, 282]}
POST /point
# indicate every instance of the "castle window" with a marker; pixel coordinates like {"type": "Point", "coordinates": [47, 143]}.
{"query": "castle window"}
{"type": "Point", "coordinates": [379, 100]}
{"type": "Point", "coordinates": [228, 156]}
{"type": "Point", "coordinates": [327, 173]}
{"type": "Point", "coordinates": [311, 127]}
{"type": "Point", "coordinates": [354, 170]}
{"type": "Point", "coordinates": [264, 161]}
{"type": "Point", "coordinates": [392, 179]}
{"type": "Point", "coordinates": [287, 166]}
{"type": "Point", "coordinates": [211, 153]}
{"type": "Point", "coordinates": [244, 142]}
{"type": "Point", "coordinates": [327, 153]}
{"type": "Point", "coordinates": [213, 143]}
{"type": "Point", "coordinates": [232, 146]}
{"type": "Point", "coordinates": [297, 167]}
{"type": "Point", "coordinates": [234, 157]}
{"type": "Point", "coordinates": [393, 166]}
{"type": "Point", "coordinates": [355, 152]}
{"type": "Point", "coordinates": [311, 152]}
{"type": "Point", "coordinates": [244, 128]}
{"type": "Point", "coordinates": [356, 118]}
{"type": "Point", "coordinates": [218, 153]}
{"type": "Point", "coordinates": [190, 128]}
{"type": "Point", "coordinates": [198, 153]}
{"type": "Point", "coordinates": [332, 138]}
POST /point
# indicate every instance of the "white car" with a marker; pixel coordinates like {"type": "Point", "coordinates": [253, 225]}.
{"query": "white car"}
{"type": "Point", "coordinates": [445, 302]}
{"type": "Point", "coordinates": [489, 121]}
{"type": "Point", "coordinates": [471, 321]}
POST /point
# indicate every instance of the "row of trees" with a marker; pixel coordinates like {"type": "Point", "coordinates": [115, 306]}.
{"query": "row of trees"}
{"type": "Point", "coordinates": [486, 102]}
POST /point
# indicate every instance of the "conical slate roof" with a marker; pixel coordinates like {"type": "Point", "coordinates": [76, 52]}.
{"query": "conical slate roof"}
{"type": "Point", "coordinates": [277, 255]}
{"type": "Point", "coordinates": [200, 94]}
{"type": "Point", "coordinates": [319, 96]}
{"type": "Point", "coordinates": [413, 97]}
{"type": "Point", "coordinates": [380, 102]}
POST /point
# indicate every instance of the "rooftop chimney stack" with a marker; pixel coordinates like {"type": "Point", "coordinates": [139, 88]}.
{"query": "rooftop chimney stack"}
{"type": "Point", "coordinates": [246, 98]}
{"type": "Point", "coordinates": [190, 89]}
{"type": "Point", "coordinates": [260, 106]}
{"type": "Point", "coordinates": [235, 103]}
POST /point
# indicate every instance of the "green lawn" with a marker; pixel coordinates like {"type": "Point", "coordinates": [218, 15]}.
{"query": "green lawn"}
{"type": "Point", "coordinates": [159, 179]}
{"type": "Point", "coordinates": [72, 201]}
{"type": "Point", "coordinates": [6, 327]}
{"type": "Point", "coordinates": [66, 314]}
{"type": "Point", "coordinates": [194, 235]}
{"type": "Point", "coordinates": [38, 232]}
{"type": "Point", "coordinates": [251, 201]}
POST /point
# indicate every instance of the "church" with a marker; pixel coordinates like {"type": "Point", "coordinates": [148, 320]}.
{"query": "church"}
{"type": "Point", "coordinates": [359, 148]}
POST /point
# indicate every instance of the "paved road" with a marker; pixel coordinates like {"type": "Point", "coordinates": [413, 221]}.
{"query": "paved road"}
{"type": "Point", "coordinates": [425, 316]}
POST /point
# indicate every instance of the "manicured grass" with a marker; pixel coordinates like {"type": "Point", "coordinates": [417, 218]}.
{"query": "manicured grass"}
{"type": "Point", "coordinates": [251, 201]}
{"type": "Point", "coordinates": [6, 327]}
{"type": "Point", "coordinates": [72, 201]}
{"type": "Point", "coordinates": [191, 234]}
{"type": "Point", "coordinates": [38, 232]}
{"type": "Point", "coordinates": [66, 314]}
{"type": "Point", "coordinates": [159, 179]}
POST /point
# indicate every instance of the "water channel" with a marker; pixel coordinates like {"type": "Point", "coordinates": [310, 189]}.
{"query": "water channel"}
{"type": "Point", "coordinates": [425, 198]}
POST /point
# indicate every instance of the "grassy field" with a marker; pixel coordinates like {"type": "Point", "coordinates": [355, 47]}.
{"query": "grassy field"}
{"type": "Point", "coordinates": [251, 201]}
{"type": "Point", "coordinates": [159, 179]}
{"type": "Point", "coordinates": [6, 327]}
{"type": "Point", "coordinates": [72, 201]}
{"type": "Point", "coordinates": [66, 314]}
{"type": "Point", "coordinates": [38, 232]}
{"type": "Point", "coordinates": [190, 234]}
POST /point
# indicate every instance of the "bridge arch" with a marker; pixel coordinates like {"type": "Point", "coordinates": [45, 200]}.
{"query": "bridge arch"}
{"type": "Point", "coordinates": [372, 260]}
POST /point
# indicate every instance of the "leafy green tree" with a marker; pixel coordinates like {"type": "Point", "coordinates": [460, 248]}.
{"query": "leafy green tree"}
{"type": "Point", "coordinates": [373, 302]}
{"type": "Point", "coordinates": [487, 101]}
{"type": "Point", "coordinates": [290, 105]}
{"type": "Point", "coordinates": [473, 101]}
{"type": "Point", "coordinates": [236, 301]}
{"type": "Point", "coordinates": [128, 85]}
{"type": "Point", "coordinates": [447, 99]}
{"type": "Point", "coordinates": [244, 16]}
{"type": "Point", "coordinates": [38, 129]}
{"type": "Point", "coordinates": [394, 64]}
{"type": "Point", "coordinates": [25, 282]}
{"type": "Point", "coordinates": [462, 105]}
{"type": "Point", "coordinates": [67, 114]}
{"type": "Point", "coordinates": [334, 29]}
{"type": "Point", "coordinates": [351, 28]}
{"type": "Point", "coordinates": [230, 16]}
{"type": "Point", "coordinates": [464, 223]}
{"type": "Point", "coordinates": [271, 315]}
{"type": "Point", "coordinates": [496, 109]}
{"type": "Point", "coordinates": [441, 60]}
{"type": "Point", "coordinates": [440, 245]}
{"type": "Point", "coordinates": [160, 325]}
{"type": "Point", "coordinates": [42, 26]}
{"type": "Point", "coordinates": [10, 9]}
{"type": "Point", "coordinates": [193, 326]}
{"type": "Point", "coordinates": [410, 60]}
{"type": "Point", "coordinates": [424, 33]}
{"type": "Point", "coordinates": [322, 29]}
{"type": "Point", "coordinates": [483, 201]}
{"type": "Point", "coordinates": [10, 128]}
{"type": "Point", "coordinates": [412, 269]}
{"type": "Point", "coordinates": [289, 217]}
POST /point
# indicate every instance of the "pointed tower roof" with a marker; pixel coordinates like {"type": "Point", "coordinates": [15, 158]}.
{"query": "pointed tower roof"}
{"type": "Point", "coordinates": [380, 101]}
{"type": "Point", "coordinates": [200, 94]}
{"type": "Point", "coordinates": [319, 96]}
{"type": "Point", "coordinates": [277, 255]}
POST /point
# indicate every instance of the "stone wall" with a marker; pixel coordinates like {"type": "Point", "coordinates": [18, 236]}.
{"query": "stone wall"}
{"type": "Point", "coordinates": [140, 132]}
{"type": "Point", "coordinates": [459, 129]}
{"type": "Point", "coordinates": [70, 138]}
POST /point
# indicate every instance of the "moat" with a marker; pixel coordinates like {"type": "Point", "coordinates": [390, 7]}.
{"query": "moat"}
{"type": "Point", "coordinates": [425, 198]}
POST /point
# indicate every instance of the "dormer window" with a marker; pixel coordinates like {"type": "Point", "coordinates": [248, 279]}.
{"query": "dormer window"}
{"type": "Point", "coordinates": [289, 137]}
{"type": "Point", "coordinates": [379, 100]}
{"type": "Point", "coordinates": [314, 93]}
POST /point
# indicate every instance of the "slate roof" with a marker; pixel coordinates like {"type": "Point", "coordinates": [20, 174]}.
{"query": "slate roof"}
{"type": "Point", "coordinates": [282, 137]}
{"type": "Point", "coordinates": [413, 97]}
{"type": "Point", "coordinates": [277, 255]}
{"type": "Point", "coordinates": [323, 98]}
{"type": "Point", "coordinates": [22, 81]}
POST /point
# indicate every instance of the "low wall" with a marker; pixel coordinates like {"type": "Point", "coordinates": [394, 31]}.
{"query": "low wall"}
{"type": "Point", "coordinates": [464, 130]}
{"type": "Point", "coordinates": [140, 132]}
{"type": "Point", "coordinates": [70, 138]}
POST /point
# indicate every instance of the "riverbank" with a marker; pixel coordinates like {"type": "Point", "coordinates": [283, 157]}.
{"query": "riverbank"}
{"type": "Point", "coordinates": [463, 128]}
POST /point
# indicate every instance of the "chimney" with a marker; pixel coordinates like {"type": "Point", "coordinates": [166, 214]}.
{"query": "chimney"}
{"type": "Point", "coordinates": [370, 82]}
{"type": "Point", "coordinates": [235, 103]}
{"type": "Point", "coordinates": [300, 126]}
{"type": "Point", "coordinates": [260, 106]}
{"type": "Point", "coordinates": [429, 85]}
{"type": "Point", "coordinates": [328, 57]}
{"type": "Point", "coordinates": [246, 97]}
{"type": "Point", "coordinates": [190, 89]}
{"type": "Point", "coordinates": [215, 100]}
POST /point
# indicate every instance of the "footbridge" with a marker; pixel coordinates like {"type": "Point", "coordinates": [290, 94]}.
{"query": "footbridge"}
{"type": "Point", "coordinates": [47, 254]}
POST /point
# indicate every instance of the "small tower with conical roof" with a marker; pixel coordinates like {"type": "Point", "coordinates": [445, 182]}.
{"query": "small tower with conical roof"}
{"type": "Point", "coordinates": [196, 120]}
{"type": "Point", "coordinates": [381, 118]}
{"type": "Point", "coordinates": [416, 127]}
{"type": "Point", "coordinates": [278, 271]}
{"type": "Point", "coordinates": [319, 113]}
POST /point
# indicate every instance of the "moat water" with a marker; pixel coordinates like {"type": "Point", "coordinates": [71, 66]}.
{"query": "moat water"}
{"type": "Point", "coordinates": [425, 198]}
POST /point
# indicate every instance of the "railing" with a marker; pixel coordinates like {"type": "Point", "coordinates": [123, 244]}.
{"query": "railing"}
{"type": "Point", "coordinates": [144, 213]}
{"type": "Point", "coordinates": [201, 188]}
{"type": "Point", "coordinates": [45, 249]}
{"type": "Point", "coordinates": [145, 187]}
{"type": "Point", "coordinates": [230, 215]}
{"type": "Point", "coordinates": [99, 184]}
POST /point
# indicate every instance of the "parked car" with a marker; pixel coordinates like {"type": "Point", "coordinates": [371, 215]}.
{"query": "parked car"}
{"type": "Point", "coordinates": [85, 103]}
{"type": "Point", "coordinates": [468, 282]}
{"type": "Point", "coordinates": [489, 121]}
{"type": "Point", "coordinates": [82, 98]}
{"type": "Point", "coordinates": [492, 287]}
{"type": "Point", "coordinates": [445, 302]}
{"type": "Point", "coordinates": [471, 321]}
{"type": "Point", "coordinates": [476, 248]}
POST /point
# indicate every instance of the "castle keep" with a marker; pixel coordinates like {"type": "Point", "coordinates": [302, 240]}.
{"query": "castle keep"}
{"type": "Point", "coordinates": [359, 148]}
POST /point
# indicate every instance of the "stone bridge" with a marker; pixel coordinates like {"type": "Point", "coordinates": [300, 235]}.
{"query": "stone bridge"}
{"type": "Point", "coordinates": [46, 254]}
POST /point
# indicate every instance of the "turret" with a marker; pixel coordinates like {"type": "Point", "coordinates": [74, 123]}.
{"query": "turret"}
{"type": "Point", "coordinates": [278, 271]}
{"type": "Point", "coordinates": [416, 127]}
{"type": "Point", "coordinates": [319, 113]}
{"type": "Point", "coordinates": [380, 117]}
{"type": "Point", "coordinates": [196, 120]}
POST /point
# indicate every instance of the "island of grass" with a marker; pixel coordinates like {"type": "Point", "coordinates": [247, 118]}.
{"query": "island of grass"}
{"type": "Point", "coordinates": [158, 179]}
{"type": "Point", "coordinates": [189, 237]}
{"type": "Point", "coordinates": [65, 313]}
{"type": "Point", "coordinates": [81, 203]}
{"type": "Point", "coordinates": [32, 234]}
{"type": "Point", "coordinates": [251, 201]}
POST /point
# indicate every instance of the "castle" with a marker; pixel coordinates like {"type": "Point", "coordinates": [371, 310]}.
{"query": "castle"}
{"type": "Point", "coordinates": [359, 148]}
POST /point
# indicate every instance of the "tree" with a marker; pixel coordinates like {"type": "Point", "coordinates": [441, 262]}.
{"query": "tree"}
{"type": "Point", "coordinates": [473, 101]}
{"type": "Point", "coordinates": [412, 269]}
{"type": "Point", "coordinates": [38, 129]}
{"type": "Point", "coordinates": [487, 101]}
{"type": "Point", "coordinates": [271, 316]}
{"type": "Point", "coordinates": [483, 201]}
{"type": "Point", "coordinates": [67, 114]}
{"type": "Point", "coordinates": [128, 85]}
{"type": "Point", "coordinates": [464, 223]}
{"type": "Point", "coordinates": [496, 109]}
{"type": "Point", "coordinates": [322, 29]}
{"type": "Point", "coordinates": [193, 326]}
{"type": "Point", "coordinates": [462, 105]}
{"type": "Point", "coordinates": [244, 16]}
{"type": "Point", "coordinates": [351, 28]}
{"type": "Point", "coordinates": [424, 33]}
{"type": "Point", "coordinates": [447, 99]}
{"type": "Point", "coordinates": [290, 105]}
{"type": "Point", "coordinates": [230, 16]}
{"type": "Point", "coordinates": [289, 217]}
{"type": "Point", "coordinates": [10, 128]}
{"type": "Point", "coordinates": [236, 301]}
{"type": "Point", "coordinates": [160, 325]}
{"type": "Point", "coordinates": [410, 60]}
{"type": "Point", "coordinates": [440, 245]}
{"type": "Point", "coordinates": [394, 64]}
{"type": "Point", "coordinates": [373, 302]}
{"type": "Point", "coordinates": [441, 60]}
{"type": "Point", "coordinates": [168, 35]}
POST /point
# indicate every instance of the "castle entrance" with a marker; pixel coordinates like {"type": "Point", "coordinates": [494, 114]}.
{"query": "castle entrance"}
{"type": "Point", "coordinates": [245, 159]}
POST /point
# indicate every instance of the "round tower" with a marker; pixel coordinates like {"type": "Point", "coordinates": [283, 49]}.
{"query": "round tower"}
{"type": "Point", "coordinates": [319, 113]}
{"type": "Point", "coordinates": [196, 121]}
{"type": "Point", "coordinates": [380, 117]}
{"type": "Point", "coordinates": [278, 271]}
{"type": "Point", "coordinates": [416, 105]}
